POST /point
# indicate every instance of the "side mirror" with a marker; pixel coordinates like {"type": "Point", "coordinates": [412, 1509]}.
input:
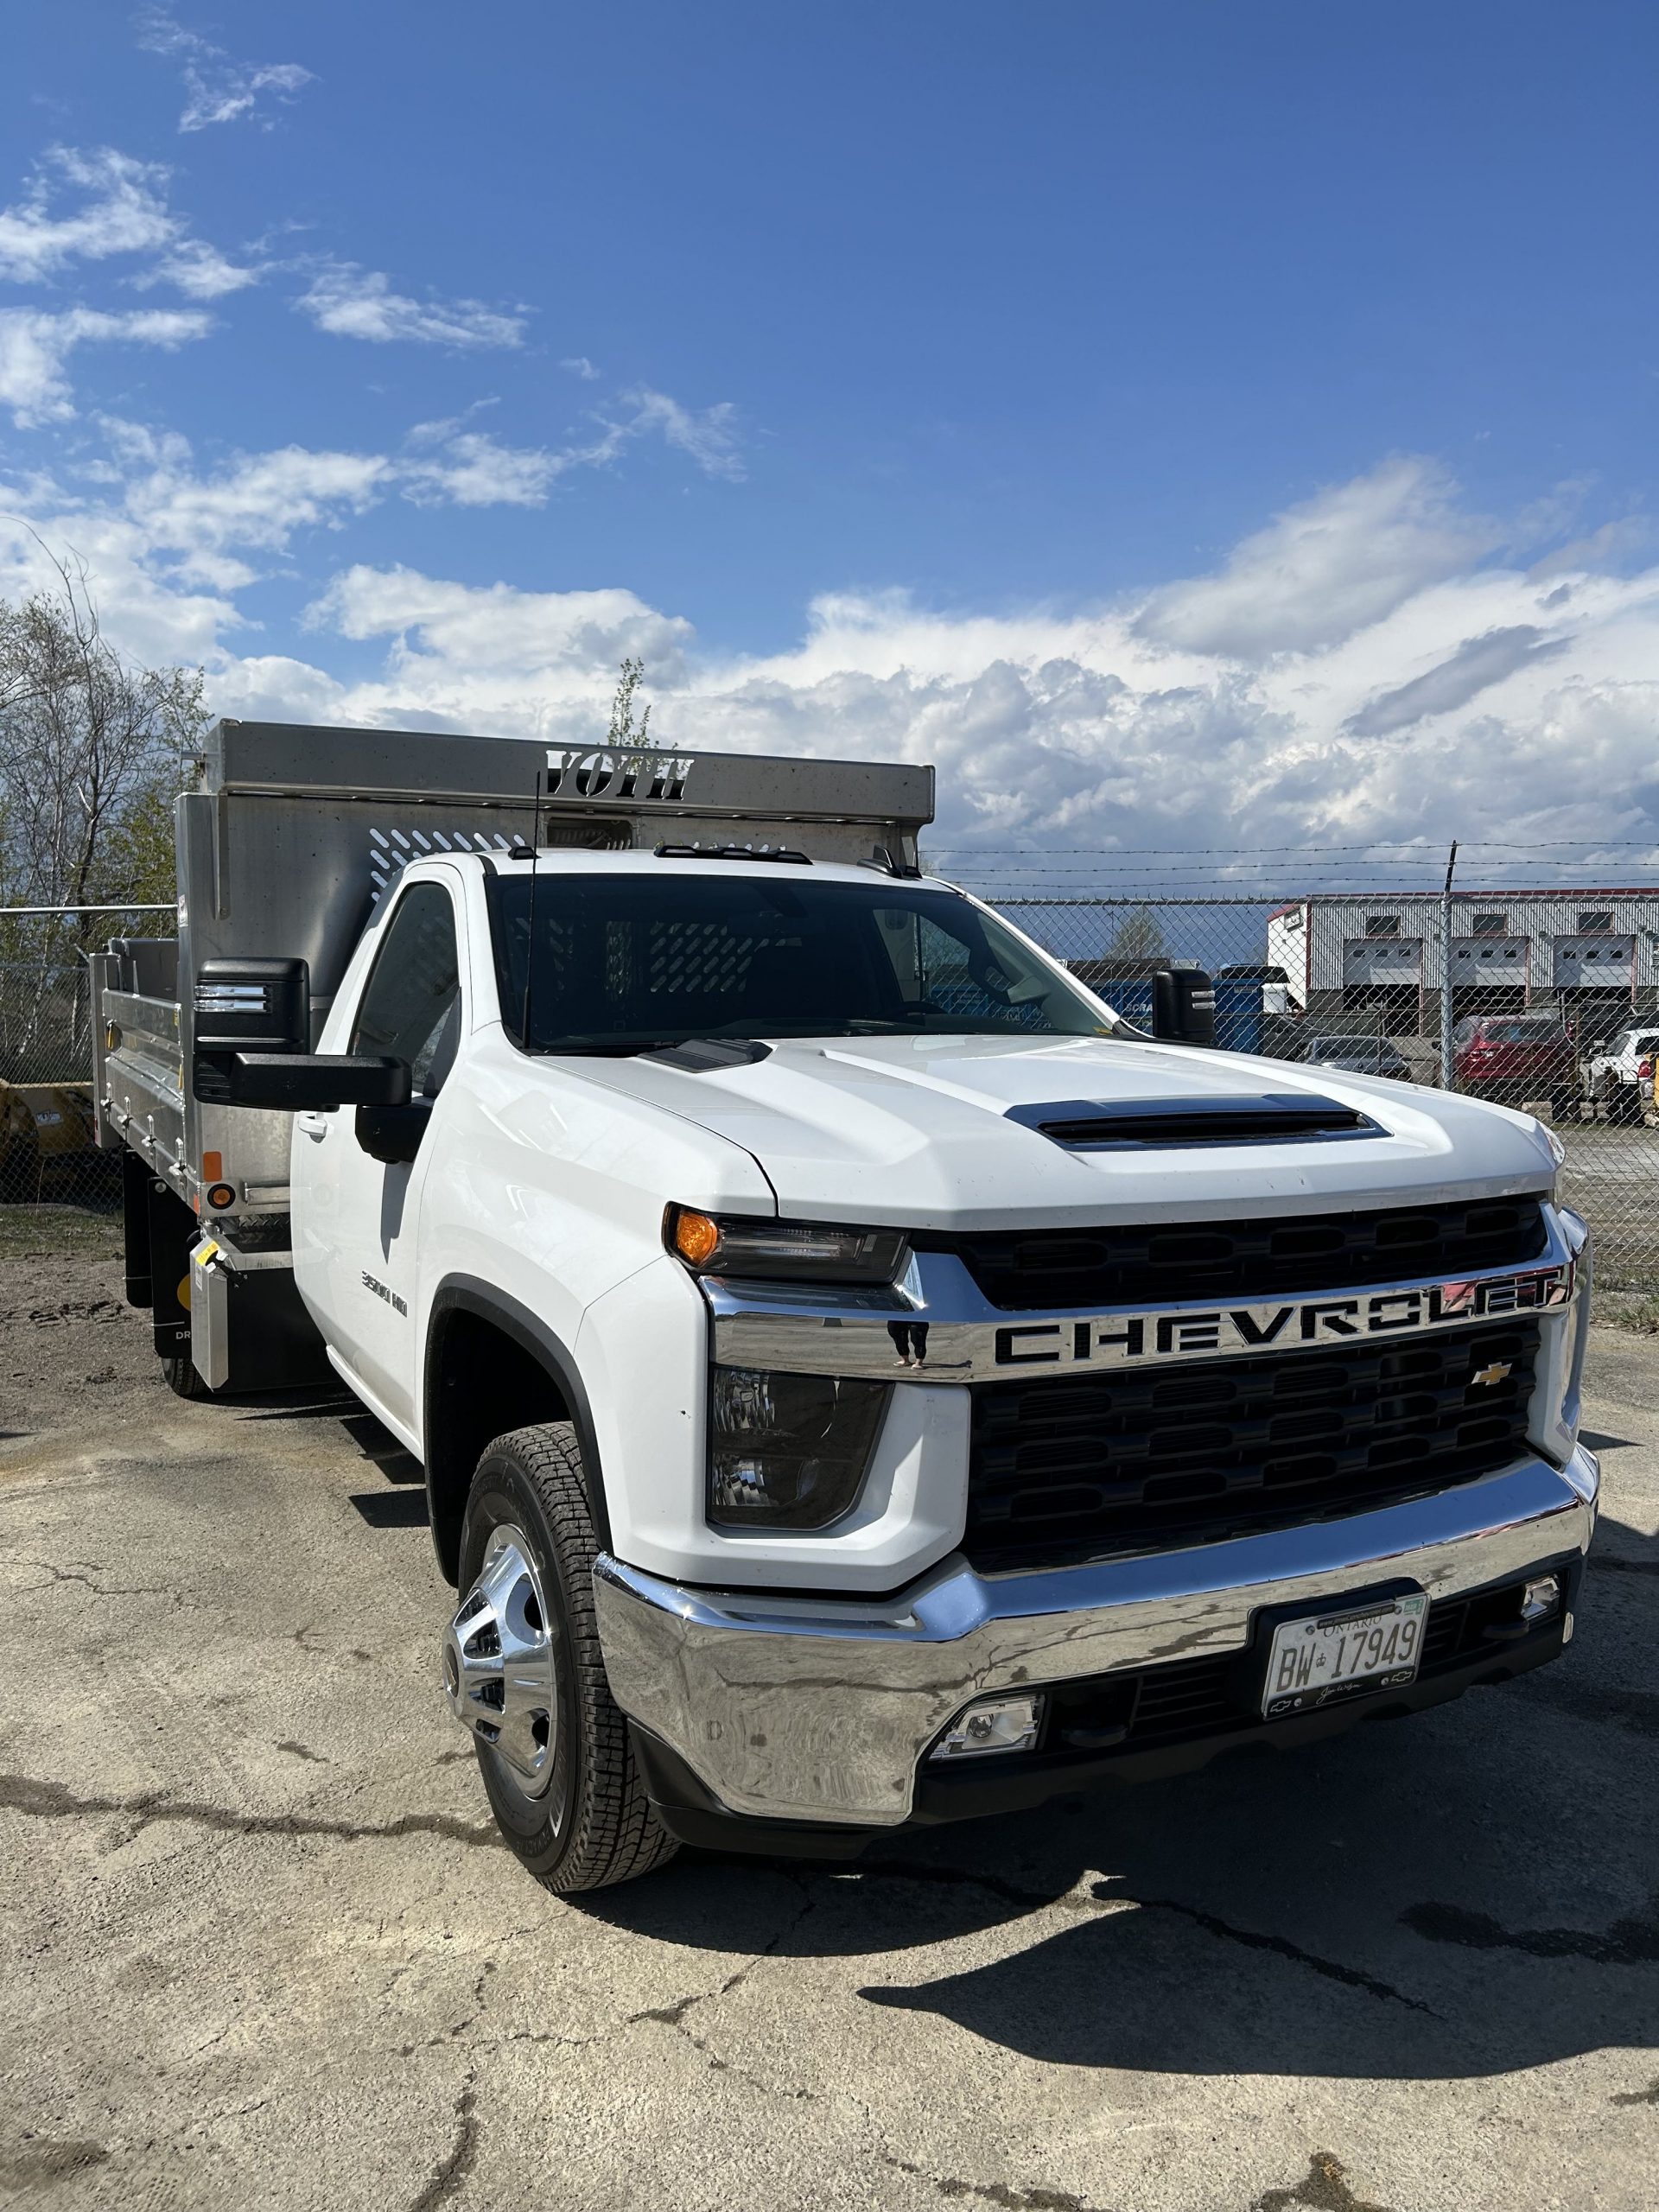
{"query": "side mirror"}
{"type": "Point", "coordinates": [392, 1135]}
{"type": "Point", "coordinates": [1184, 1006]}
{"type": "Point", "coordinates": [296, 1082]}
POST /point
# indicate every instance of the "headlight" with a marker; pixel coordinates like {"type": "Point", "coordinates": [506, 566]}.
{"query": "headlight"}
{"type": "Point", "coordinates": [783, 1251]}
{"type": "Point", "coordinates": [788, 1451]}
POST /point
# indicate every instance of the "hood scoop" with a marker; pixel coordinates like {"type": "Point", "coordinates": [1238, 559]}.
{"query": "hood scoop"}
{"type": "Point", "coordinates": [705, 1055]}
{"type": "Point", "coordinates": [1184, 1124]}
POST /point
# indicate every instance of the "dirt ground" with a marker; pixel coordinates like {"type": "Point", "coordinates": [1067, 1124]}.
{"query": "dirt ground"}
{"type": "Point", "coordinates": [262, 1949]}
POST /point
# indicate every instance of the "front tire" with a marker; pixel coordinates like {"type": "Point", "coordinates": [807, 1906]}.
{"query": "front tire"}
{"type": "Point", "coordinates": [523, 1670]}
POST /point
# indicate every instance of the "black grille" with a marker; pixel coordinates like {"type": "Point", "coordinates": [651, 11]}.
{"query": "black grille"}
{"type": "Point", "coordinates": [1185, 1455]}
{"type": "Point", "coordinates": [1148, 1263]}
{"type": "Point", "coordinates": [1194, 1698]}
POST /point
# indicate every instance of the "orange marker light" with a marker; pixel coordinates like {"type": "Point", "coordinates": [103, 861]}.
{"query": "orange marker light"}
{"type": "Point", "coordinates": [695, 1237]}
{"type": "Point", "coordinates": [212, 1167]}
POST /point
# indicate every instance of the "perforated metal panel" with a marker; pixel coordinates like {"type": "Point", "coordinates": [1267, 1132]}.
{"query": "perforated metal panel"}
{"type": "Point", "coordinates": [390, 851]}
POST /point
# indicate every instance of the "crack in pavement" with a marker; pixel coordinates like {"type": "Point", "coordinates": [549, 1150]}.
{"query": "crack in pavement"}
{"type": "Point", "coordinates": [674, 2016]}
{"type": "Point", "coordinates": [996, 2192]}
{"type": "Point", "coordinates": [53, 1801]}
{"type": "Point", "coordinates": [1281, 1947]}
{"type": "Point", "coordinates": [1629, 1942]}
{"type": "Point", "coordinates": [451, 2171]}
{"type": "Point", "coordinates": [1325, 2189]}
{"type": "Point", "coordinates": [1212, 1924]}
{"type": "Point", "coordinates": [1648, 2096]}
{"type": "Point", "coordinates": [99, 1589]}
{"type": "Point", "coordinates": [968, 1877]}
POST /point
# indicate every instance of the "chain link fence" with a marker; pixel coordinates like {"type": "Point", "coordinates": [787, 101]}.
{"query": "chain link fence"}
{"type": "Point", "coordinates": [1545, 998]}
{"type": "Point", "coordinates": [48, 1146]}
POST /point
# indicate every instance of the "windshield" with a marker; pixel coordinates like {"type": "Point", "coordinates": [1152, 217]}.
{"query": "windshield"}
{"type": "Point", "coordinates": [1521, 1033]}
{"type": "Point", "coordinates": [624, 963]}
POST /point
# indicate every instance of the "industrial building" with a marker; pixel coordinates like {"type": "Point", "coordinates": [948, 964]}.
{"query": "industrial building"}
{"type": "Point", "coordinates": [1591, 955]}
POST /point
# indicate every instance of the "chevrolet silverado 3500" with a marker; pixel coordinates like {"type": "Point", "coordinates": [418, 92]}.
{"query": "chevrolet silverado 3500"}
{"type": "Point", "coordinates": [859, 1380]}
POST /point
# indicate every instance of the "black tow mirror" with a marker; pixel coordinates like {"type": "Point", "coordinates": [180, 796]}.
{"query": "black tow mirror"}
{"type": "Point", "coordinates": [298, 1082]}
{"type": "Point", "coordinates": [1184, 1006]}
{"type": "Point", "coordinates": [251, 1033]}
{"type": "Point", "coordinates": [392, 1135]}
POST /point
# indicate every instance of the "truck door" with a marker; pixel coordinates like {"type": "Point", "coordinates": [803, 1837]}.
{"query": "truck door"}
{"type": "Point", "coordinates": [356, 1216]}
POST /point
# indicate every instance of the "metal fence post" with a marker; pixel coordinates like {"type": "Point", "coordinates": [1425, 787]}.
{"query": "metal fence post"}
{"type": "Point", "coordinates": [1446, 1075]}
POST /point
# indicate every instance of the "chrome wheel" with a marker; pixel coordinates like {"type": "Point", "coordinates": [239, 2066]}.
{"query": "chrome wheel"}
{"type": "Point", "coordinates": [498, 1670]}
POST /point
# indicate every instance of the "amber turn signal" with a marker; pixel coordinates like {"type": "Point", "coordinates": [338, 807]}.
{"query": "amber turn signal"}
{"type": "Point", "coordinates": [220, 1195]}
{"type": "Point", "coordinates": [695, 1237]}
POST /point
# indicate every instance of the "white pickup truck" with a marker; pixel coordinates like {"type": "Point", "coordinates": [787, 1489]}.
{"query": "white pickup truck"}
{"type": "Point", "coordinates": [859, 1380]}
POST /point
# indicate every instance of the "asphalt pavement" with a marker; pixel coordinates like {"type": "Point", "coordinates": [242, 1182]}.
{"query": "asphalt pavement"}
{"type": "Point", "coordinates": [262, 1948]}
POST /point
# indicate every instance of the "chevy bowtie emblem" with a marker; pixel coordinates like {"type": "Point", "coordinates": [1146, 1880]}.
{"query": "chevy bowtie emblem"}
{"type": "Point", "coordinates": [1498, 1372]}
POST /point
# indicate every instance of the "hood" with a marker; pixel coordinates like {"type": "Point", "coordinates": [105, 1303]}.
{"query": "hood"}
{"type": "Point", "coordinates": [917, 1131]}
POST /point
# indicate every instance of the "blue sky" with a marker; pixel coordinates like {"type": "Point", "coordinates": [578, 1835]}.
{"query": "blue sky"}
{"type": "Point", "coordinates": [1262, 373]}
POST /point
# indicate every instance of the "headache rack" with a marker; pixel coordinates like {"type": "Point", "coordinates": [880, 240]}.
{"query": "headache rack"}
{"type": "Point", "coordinates": [292, 835]}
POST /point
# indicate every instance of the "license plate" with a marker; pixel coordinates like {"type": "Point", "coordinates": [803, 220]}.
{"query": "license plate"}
{"type": "Point", "coordinates": [1325, 1656]}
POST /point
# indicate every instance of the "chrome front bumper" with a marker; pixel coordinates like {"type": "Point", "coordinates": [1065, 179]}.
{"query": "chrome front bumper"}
{"type": "Point", "coordinates": [819, 1710]}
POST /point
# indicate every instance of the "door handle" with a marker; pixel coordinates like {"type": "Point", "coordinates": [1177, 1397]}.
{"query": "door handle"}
{"type": "Point", "coordinates": [315, 1125]}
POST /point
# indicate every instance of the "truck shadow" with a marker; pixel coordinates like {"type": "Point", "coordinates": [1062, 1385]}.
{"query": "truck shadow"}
{"type": "Point", "coordinates": [402, 1506]}
{"type": "Point", "coordinates": [1471, 1892]}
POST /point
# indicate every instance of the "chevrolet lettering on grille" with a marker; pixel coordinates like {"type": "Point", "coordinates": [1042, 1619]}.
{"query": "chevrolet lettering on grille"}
{"type": "Point", "coordinates": [1128, 1339]}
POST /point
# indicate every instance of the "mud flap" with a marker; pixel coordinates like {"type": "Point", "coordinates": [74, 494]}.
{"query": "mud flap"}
{"type": "Point", "coordinates": [248, 1330]}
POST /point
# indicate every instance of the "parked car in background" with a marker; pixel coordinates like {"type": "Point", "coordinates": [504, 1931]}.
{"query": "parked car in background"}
{"type": "Point", "coordinates": [1613, 1071]}
{"type": "Point", "coordinates": [46, 1130]}
{"type": "Point", "coordinates": [1516, 1056]}
{"type": "Point", "coordinates": [1361, 1055]}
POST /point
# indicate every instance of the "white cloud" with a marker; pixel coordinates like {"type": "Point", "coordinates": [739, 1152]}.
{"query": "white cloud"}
{"type": "Point", "coordinates": [218, 88]}
{"type": "Point", "coordinates": [183, 528]}
{"type": "Point", "coordinates": [580, 366]}
{"type": "Point", "coordinates": [122, 210]}
{"type": "Point", "coordinates": [254, 502]}
{"type": "Point", "coordinates": [1486, 702]}
{"type": "Point", "coordinates": [458, 466]}
{"type": "Point", "coordinates": [708, 436]}
{"type": "Point", "coordinates": [349, 301]}
{"type": "Point", "coordinates": [1471, 706]}
{"type": "Point", "coordinates": [148, 613]}
{"type": "Point", "coordinates": [34, 346]}
{"type": "Point", "coordinates": [1326, 567]}
{"type": "Point", "coordinates": [469, 468]}
{"type": "Point", "coordinates": [494, 635]}
{"type": "Point", "coordinates": [201, 271]}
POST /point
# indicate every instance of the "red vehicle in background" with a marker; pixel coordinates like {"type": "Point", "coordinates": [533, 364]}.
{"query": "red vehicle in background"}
{"type": "Point", "coordinates": [1516, 1056]}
